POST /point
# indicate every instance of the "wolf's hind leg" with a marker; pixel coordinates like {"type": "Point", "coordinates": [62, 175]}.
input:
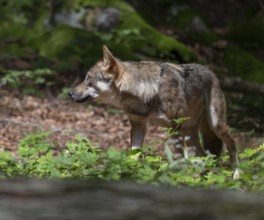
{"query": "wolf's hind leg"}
{"type": "Point", "coordinates": [223, 133]}
{"type": "Point", "coordinates": [188, 138]}
{"type": "Point", "coordinates": [138, 130]}
{"type": "Point", "coordinates": [216, 117]}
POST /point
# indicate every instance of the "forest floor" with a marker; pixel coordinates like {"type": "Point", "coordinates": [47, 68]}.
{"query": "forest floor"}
{"type": "Point", "coordinates": [103, 125]}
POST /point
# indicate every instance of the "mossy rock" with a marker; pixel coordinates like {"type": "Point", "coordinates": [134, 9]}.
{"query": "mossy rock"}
{"type": "Point", "coordinates": [130, 19]}
{"type": "Point", "coordinates": [71, 45]}
{"type": "Point", "coordinates": [74, 46]}
{"type": "Point", "coordinates": [243, 64]}
{"type": "Point", "coordinates": [178, 16]}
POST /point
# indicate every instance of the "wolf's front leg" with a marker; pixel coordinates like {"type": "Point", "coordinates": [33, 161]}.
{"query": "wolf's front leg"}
{"type": "Point", "coordinates": [138, 130]}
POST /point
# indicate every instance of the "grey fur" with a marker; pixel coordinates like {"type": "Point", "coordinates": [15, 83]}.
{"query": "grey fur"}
{"type": "Point", "coordinates": [160, 92]}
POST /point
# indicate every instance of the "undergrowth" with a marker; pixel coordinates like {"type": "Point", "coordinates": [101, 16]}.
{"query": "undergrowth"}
{"type": "Point", "coordinates": [27, 81]}
{"type": "Point", "coordinates": [80, 159]}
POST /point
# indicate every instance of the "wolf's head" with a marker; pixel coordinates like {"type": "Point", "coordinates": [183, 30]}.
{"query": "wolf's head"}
{"type": "Point", "coordinates": [98, 82]}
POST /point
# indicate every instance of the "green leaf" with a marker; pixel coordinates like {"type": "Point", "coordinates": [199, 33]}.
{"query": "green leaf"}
{"type": "Point", "coordinates": [114, 154]}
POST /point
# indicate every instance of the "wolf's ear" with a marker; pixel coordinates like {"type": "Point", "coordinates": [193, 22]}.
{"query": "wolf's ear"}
{"type": "Point", "coordinates": [110, 65]}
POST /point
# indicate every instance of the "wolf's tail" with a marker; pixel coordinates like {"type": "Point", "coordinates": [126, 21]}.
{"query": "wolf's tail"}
{"type": "Point", "coordinates": [211, 142]}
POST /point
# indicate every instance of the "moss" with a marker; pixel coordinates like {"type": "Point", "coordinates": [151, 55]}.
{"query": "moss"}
{"type": "Point", "coordinates": [242, 63]}
{"type": "Point", "coordinates": [103, 3]}
{"type": "Point", "coordinates": [12, 31]}
{"type": "Point", "coordinates": [60, 37]}
{"type": "Point", "coordinates": [131, 19]}
{"type": "Point", "coordinates": [72, 45]}
{"type": "Point", "coordinates": [69, 45]}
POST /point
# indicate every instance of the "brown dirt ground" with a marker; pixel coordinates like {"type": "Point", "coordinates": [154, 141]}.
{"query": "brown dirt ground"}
{"type": "Point", "coordinates": [102, 125]}
{"type": "Point", "coordinates": [21, 115]}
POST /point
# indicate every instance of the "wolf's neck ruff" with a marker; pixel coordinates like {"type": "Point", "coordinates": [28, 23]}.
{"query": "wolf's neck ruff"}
{"type": "Point", "coordinates": [144, 90]}
{"type": "Point", "coordinates": [142, 79]}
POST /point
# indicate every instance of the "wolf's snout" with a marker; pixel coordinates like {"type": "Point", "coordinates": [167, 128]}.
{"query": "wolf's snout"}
{"type": "Point", "coordinates": [70, 93]}
{"type": "Point", "coordinates": [78, 97]}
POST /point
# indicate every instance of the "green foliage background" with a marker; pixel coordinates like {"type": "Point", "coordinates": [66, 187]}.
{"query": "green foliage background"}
{"type": "Point", "coordinates": [27, 27]}
{"type": "Point", "coordinates": [24, 25]}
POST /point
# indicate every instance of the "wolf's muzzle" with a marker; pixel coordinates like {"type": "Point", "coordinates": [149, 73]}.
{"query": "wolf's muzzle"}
{"type": "Point", "coordinates": [70, 94]}
{"type": "Point", "coordinates": [78, 98]}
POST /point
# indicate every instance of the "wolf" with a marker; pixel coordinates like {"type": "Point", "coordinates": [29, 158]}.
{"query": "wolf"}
{"type": "Point", "coordinates": [159, 92]}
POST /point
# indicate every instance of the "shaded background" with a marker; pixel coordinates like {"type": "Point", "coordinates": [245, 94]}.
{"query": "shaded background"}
{"type": "Point", "coordinates": [46, 46]}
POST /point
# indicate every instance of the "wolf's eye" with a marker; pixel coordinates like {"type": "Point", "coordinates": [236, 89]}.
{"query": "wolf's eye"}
{"type": "Point", "coordinates": [89, 81]}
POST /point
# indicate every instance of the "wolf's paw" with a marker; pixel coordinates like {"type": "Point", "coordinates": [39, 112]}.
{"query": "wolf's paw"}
{"type": "Point", "coordinates": [134, 147]}
{"type": "Point", "coordinates": [237, 173]}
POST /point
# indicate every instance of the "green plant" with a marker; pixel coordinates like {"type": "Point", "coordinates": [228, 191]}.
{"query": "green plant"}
{"type": "Point", "coordinates": [64, 92]}
{"type": "Point", "coordinates": [27, 80]}
{"type": "Point", "coordinates": [79, 158]}
{"type": "Point", "coordinates": [9, 166]}
{"type": "Point", "coordinates": [124, 36]}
